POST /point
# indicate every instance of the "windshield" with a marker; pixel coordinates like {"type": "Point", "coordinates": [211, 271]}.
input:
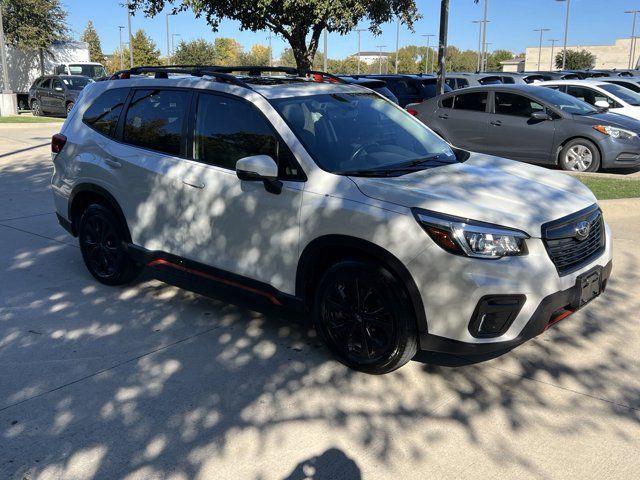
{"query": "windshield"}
{"type": "Point", "coordinates": [564, 102]}
{"type": "Point", "coordinates": [91, 71]}
{"type": "Point", "coordinates": [624, 94]}
{"type": "Point", "coordinates": [76, 82]}
{"type": "Point", "coordinates": [362, 134]}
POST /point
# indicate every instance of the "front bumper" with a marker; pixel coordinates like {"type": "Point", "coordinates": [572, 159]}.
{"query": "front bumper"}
{"type": "Point", "coordinates": [451, 288]}
{"type": "Point", "coordinates": [551, 310]}
{"type": "Point", "coordinates": [620, 153]}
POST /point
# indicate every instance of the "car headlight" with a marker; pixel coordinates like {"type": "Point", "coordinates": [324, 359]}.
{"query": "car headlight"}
{"type": "Point", "coordinates": [470, 238]}
{"type": "Point", "coordinates": [615, 132]}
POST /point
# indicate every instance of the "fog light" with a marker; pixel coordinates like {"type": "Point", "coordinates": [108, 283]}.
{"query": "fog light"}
{"type": "Point", "coordinates": [494, 314]}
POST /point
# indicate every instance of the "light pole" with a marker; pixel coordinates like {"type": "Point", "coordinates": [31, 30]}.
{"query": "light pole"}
{"type": "Point", "coordinates": [397, 42]}
{"type": "Point", "coordinates": [566, 33]}
{"type": "Point", "coordinates": [633, 37]}
{"type": "Point", "coordinates": [120, 28]}
{"type": "Point", "coordinates": [483, 63]}
{"type": "Point", "coordinates": [359, 30]}
{"type": "Point", "coordinates": [426, 60]}
{"type": "Point", "coordinates": [270, 50]}
{"type": "Point", "coordinates": [168, 49]}
{"type": "Point", "coordinates": [380, 47]}
{"type": "Point", "coordinates": [481, 23]}
{"type": "Point", "coordinates": [130, 37]}
{"type": "Point", "coordinates": [541, 30]}
{"type": "Point", "coordinates": [553, 44]}
{"type": "Point", "coordinates": [324, 69]}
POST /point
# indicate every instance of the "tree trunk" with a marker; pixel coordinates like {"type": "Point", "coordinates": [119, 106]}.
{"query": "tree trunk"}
{"type": "Point", "coordinates": [302, 52]}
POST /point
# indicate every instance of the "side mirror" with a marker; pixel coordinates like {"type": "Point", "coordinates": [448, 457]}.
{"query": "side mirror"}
{"type": "Point", "coordinates": [602, 105]}
{"type": "Point", "coordinates": [260, 168]}
{"type": "Point", "coordinates": [540, 116]}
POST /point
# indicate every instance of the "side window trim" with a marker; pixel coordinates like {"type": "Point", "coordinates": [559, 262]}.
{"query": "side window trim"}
{"type": "Point", "coordinates": [193, 142]}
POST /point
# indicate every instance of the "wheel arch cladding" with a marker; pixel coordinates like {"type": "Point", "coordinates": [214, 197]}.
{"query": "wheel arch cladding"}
{"type": "Point", "coordinates": [86, 194]}
{"type": "Point", "coordinates": [325, 251]}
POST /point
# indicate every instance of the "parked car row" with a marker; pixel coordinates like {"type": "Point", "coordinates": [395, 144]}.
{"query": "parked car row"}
{"type": "Point", "coordinates": [56, 94]}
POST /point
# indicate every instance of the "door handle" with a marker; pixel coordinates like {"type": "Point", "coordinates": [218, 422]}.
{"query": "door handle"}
{"type": "Point", "coordinates": [444, 116]}
{"type": "Point", "coordinates": [192, 183]}
{"type": "Point", "coordinates": [112, 163]}
{"type": "Point", "coordinates": [496, 123]}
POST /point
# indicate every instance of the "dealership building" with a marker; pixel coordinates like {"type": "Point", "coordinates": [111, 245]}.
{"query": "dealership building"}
{"type": "Point", "coordinates": [607, 56]}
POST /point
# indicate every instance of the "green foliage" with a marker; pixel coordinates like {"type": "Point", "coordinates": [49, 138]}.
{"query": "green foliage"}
{"type": "Point", "coordinates": [90, 35]}
{"type": "Point", "coordinates": [258, 55]}
{"type": "Point", "coordinates": [494, 59]}
{"type": "Point", "coordinates": [300, 22]}
{"type": "Point", "coordinates": [194, 52]}
{"type": "Point", "coordinates": [577, 60]}
{"type": "Point", "coordinates": [33, 24]}
{"type": "Point", "coordinates": [227, 51]}
{"type": "Point", "coordinates": [145, 51]}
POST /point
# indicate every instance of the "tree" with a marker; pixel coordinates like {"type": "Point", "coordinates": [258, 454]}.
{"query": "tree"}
{"type": "Point", "coordinates": [145, 51]}
{"type": "Point", "coordinates": [34, 25]}
{"type": "Point", "coordinates": [287, 59]}
{"type": "Point", "coordinates": [494, 59]}
{"type": "Point", "coordinates": [300, 22]}
{"type": "Point", "coordinates": [577, 60]}
{"type": "Point", "coordinates": [410, 60]}
{"type": "Point", "coordinates": [258, 55]}
{"type": "Point", "coordinates": [461, 60]}
{"type": "Point", "coordinates": [227, 51]}
{"type": "Point", "coordinates": [194, 52]}
{"type": "Point", "coordinates": [95, 48]}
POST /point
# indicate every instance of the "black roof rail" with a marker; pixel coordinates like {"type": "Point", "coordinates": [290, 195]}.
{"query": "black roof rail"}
{"type": "Point", "coordinates": [224, 72]}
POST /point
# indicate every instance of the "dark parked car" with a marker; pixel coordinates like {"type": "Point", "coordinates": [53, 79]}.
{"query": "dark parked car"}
{"type": "Point", "coordinates": [534, 124]}
{"type": "Point", "coordinates": [410, 88]}
{"type": "Point", "coordinates": [546, 76]}
{"type": "Point", "coordinates": [374, 84]}
{"type": "Point", "coordinates": [56, 94]}
{"type": "Point", "coordinates": [465, 80]}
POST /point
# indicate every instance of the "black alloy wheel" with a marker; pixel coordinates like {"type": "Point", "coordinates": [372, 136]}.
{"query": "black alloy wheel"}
{"type": "Point", "coordinates": [102, 238]}
{"type": "Point", "coordinates": [363, 315]}
{"type": "Point", "coordinates": [35, 108]}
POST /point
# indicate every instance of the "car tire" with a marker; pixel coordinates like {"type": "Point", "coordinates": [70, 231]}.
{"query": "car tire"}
{"type": "Point", "coordinates": [69, 107]}
{"type": "Point", "coordinates": [364, 316]}
{"type": "Point", "coordinates": [35, 108]}
{"type": "Point", "coordinates": [102, 244]}
{"type": "Point", "coordinates": [580, 155]}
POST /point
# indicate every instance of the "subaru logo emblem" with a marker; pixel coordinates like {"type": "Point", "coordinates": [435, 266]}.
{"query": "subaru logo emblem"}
{"type": "Point", "coordinates": [582, 230]}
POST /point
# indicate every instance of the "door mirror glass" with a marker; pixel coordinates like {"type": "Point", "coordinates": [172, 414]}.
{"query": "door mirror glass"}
{"type": "Point", "coordinates": [602, 104]}
{"type": "Point", "coordinates": [257, 167]}
{"type": "Point", "coordinates": [540, 116]}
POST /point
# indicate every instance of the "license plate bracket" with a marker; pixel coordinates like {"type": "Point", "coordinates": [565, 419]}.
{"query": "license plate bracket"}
{"type": "Point", "coordinates": [588, 286]}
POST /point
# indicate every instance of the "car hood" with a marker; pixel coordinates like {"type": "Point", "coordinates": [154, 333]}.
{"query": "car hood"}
{"type": "Point", "coordinates": [488, 189]}
{"type": "Point", "coordinates": [612, 119]}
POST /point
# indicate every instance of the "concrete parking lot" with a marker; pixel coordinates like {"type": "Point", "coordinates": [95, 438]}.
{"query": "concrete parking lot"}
{"type": "Point", "coordinates": [151, 381]}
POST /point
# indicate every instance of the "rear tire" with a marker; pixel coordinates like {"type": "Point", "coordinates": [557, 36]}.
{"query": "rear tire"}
{"type": "Point", "coordinates": [102, 244]}
{"type": "Point", "coordinates": [580, 155]}
{"type": "Point", "coordinates": [364, 316]}
{"type": "Point", "coordinates": [69, 107]}
{"type": "Point", "coordinates": [35, 108]}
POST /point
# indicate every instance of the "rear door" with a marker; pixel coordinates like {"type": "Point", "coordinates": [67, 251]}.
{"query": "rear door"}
{"type": "Point", "coordinates": [57, 95]}
{"type": "Point", "coordinates": [43, 94]}
{"type": "Point", "coordinates": [465, 124]}
{"type": "Point", "coordinates": [512, 133]}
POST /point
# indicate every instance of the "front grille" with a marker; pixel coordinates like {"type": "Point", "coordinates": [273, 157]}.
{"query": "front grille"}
{"type": "Point", "coordinates": [567, 252]}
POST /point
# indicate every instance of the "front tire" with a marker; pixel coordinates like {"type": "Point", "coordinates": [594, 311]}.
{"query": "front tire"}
{"type": "Point", "coordinates": [580, 155]}
{"type": "Point", "coordinates": [35, 108]}
{"type": "Point", "coordinates": [364, 316]}
{"type": "Point", "coordinates": [102, 244]}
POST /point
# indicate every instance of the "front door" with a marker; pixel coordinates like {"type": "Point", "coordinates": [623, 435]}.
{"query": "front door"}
{"type": "Point", "coordinates": [236, 225]}
{"type": "Point", "coordinates": [512, 133]}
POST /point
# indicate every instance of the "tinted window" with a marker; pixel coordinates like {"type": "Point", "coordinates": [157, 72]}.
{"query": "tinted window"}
{"type": "Point", "coordinates": [447, 102]}
{"type": "Point", "coordinates": [57, 83]}
{"type": "Point", "coordinates": [565, 102]}
{"type": "Point", "coordinates": [630, 85]}
{"type": "Point", "coordinates": [103, 113]}
{"type": "Point", "coordinates": [91, 71]}
{"type": "Point", "coordinates": [490, 81]}
{"type": "Point", "coordinates": [463, 83]}
{"type": "Point", "coordinates": [623, 93]}
{"type": "Point", "coordinates": [451, 82]}
{"type": "Point", "coordinates": [507, 80]}
{"type": "Point", "coordinates": [76, 82]}
{"type": "Point", "coordinates": [45, 83]}
{"type": "Point", "coordinates": [228, 130]}
{"type": "Point", "coordinates": [590, 96]}
{"type": "Point", "coordinates": [155, 119]}
{"type": "Point", "coordinates": [430, 89]}
{"type": "Point", "coordinates": [512, 104]}
{"type": "Point", "coordinates": [476, 101]}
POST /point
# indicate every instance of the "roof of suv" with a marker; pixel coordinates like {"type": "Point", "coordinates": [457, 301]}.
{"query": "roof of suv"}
{"type": "Point", "coordinates": [514, 87]}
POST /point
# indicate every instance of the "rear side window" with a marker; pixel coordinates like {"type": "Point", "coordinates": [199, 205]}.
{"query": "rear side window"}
{"type": "Point", "coordinates": [476, 101]}
{"type": "Point", "coordinates": [103, 113]}
{"type": "Point", "coordinates": [155, 120]}
{"type": "Point", "coordinates": [463, 83]}
{"type": "Point", "coordinates": [517, 105]}
{"type": "Point", "coordinates": [490, 81]}
{"type": "Point", "coordinates": [630, 85]}
{"type": "Point", "coordinates": [451, 82]}
{"type": "Point", "coordinates": [45, 83]}
{"type": "Point", "coordinates": [447, 102]}
{"type": "Point", "coordinates": [228, 130]}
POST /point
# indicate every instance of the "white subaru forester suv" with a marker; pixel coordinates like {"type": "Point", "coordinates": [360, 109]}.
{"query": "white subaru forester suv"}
{"type": "Point", "coordinates": [307, 193]}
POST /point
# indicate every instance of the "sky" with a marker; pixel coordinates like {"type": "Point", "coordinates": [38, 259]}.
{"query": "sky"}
{"type": "Point", "coordinates": [592, 22]}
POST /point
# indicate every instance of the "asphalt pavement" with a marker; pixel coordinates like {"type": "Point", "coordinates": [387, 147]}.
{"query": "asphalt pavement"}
{"type": "Point", "coordinates": [150, 381]}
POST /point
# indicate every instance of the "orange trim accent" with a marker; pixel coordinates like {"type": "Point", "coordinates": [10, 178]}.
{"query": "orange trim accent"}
{"type": "Point", "coordinates": [558, 318]}
{"type": "Point", "coordinates": [167, 263]}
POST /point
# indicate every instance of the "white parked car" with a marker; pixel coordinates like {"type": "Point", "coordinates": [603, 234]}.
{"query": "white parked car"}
{"type": "Point", "coordinates": [328, 198]}
{"type": "Point", "coordinates": [600, 94]}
